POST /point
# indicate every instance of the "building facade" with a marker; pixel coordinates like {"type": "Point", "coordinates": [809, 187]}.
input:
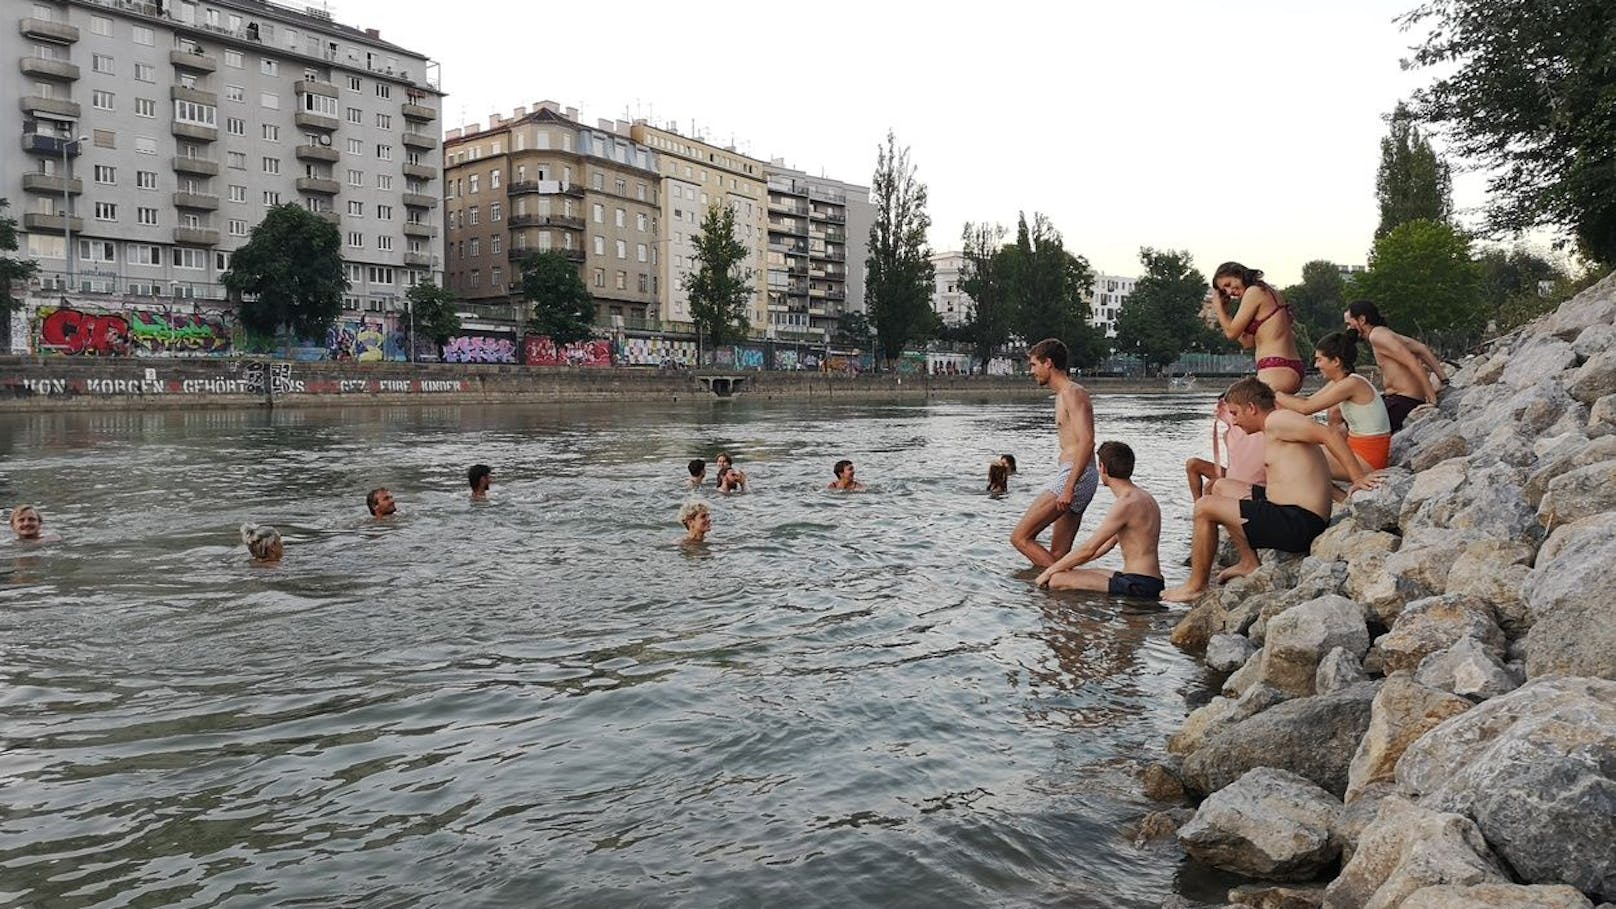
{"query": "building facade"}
{"type": "Point", "coordinates": [542, 181]}
{"type": "Point", "coordinates": [1106, 299]}
{"type": "Point", "coordinates": [951, 304]}
{"type": "Point", "coordinates": [818, 232]}
{"type": "Point", "coordinates": [155, 136]}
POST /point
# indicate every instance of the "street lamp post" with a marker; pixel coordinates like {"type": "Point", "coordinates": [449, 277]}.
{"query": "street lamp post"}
{"type": "Point", "coordinates": [409, 304]}
{"type": "Point", "coordinates": [67, 208]}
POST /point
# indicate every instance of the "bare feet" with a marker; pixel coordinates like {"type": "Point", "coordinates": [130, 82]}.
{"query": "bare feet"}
{"type": "Point", "coordinates": [1183, 594]}
{"type": "Point", "coordinates": [1238, 570]}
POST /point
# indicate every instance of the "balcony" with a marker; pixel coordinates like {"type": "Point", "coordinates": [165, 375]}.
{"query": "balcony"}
{"type": "Point", "coordinates": [193, 131]}
{"type": "Point", "coordinates": [418, 112]}
{"type": "Point", "coordinates": [194, 95]}
{"type": "Point", "coordinates": [203, 201]}
{"type": "Point", "coordinates": [196, 236]}
{"type": "Point", "coordinates": [836, 255]}
{"type": "Point", "coordinates": [419, 140]}
{"type": "Point", "coordinates": [311, 87]}
{"type": "Point", "coordinates": [420, 200]}
{"type": "Point", "coordinates": [306, 120]}
{"type": "Point", "coordinates": [193, 60]}
{"type": "Point", "coordinates": [51, 223]}
{"type": "Point", "coordinates": [420, 172]}
{"type": "Point", "coordinates": [34, 105]}
{"type": "Point", "coordinates": [201, 167]}
{"type": "Point", "coordinates": [43, 144]}
{"type": "Point", "coordinates": [517, 254]}
{"type": "Point", "coordinates": [51, 184]}
{"type": "Point", "coordinates": [545, 188]}
{"type": "Point", "coordinates": [322, 153]}
{"type": "Point", "coordinates": [563, 221]}
{"type": "Point", "coordinates": [419, 230]}
{"type": "Point", "coordinates": [323, 186]}
{"type": "Point", "coordinates": [41, 68]}
{"type": "Point", "coordinates": [418, 260]}
{"type": "Point", "coordinates": [46, 30]}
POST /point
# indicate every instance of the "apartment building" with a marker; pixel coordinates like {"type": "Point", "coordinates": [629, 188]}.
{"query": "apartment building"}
{"type": "Point", "coordinates": [1106, 299]}
{"type": "Point", "coordinates": [951, 304]}
{"type": "Point", "coordinates": [540, 180]}
{"type": "Point", "coordinates": [818, 232]}
{"type": "Point", "coordinates": [696, 175]}
{"type": "Point", "coordinates": [154, 136]}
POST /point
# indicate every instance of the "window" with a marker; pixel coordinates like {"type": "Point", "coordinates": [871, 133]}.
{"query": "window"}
{"type": "Point", "coordinates": [599, 180]}
{"type": "Point", "coordinates": [639, 191]}
{"type": "Point", "coordinates": [622, 250]}
{"type": "Point", "coordinates": [494, 244]}
{"type": "Point", "coordinates": [356, 146]}
{"type": "Point", "coordinates": [269, 67]}
{"type": "Point", "coordinates": [639, 251]}
{"type": "Point", "coordinates": [101, 100]}
{"type": "Point", "coordinates": [622, 218]}
{"type": "Point", "coordinates": [600, 277]}
{"type": "Point", "coordinates": [471, 184]}
{"type": "Point", "coordinates": [194, 113]}
{"type": "Point", "coordinates": [471, 215]}
{"type": "Point", "coordinates": [495, 210]}
{"type": "Point", "coordinates": [622, 186]}
{"type": "Point", "coordinates": [355, 115]}
{"type": "Point", "coordinates": [272, 133]}
{"type": "Point", "coordinates": [600, 246]}
{"type": "Point", "coordinates": [272, 165]}
{"type": "Point", "coordinates": [380, 274]}
{"type": "Point", "coordinates": [496, 277]}
{"type": "Point", "coordinates": [269, 100]}
{"type": "Point", "coordinates": [493, 178]}
{"type": "Point", "coordinates": [356, 178]}
{"type": "Point", "coordinates": [600, 213]}
{"type": "Point", "coordinates": [642, 283]}
{"type": "Point", "coordinates": [233, 59]}
{"type": "Point", "coordinates": [353, 83]}
{"type": "Point", "coordinates": [101, 63]}
{"type": "Point", "coordinates": [384, 91]}
{"type": "Point", "coordinates": [235, 93]}
{"type": "Point", "coordinates": [354, 273]}
{"type": "Point", "coordinates": [384, 243]}
{"type": "Point", "coordinates": [142, 35]}
{"type": "Point", "coordinates": [145, 145]}
{"type": "Point", "coordinates": [384, 152]}
{"type": "Point", "coordinates": [356, 209]}
{"type": "Point", "coordinates": [143, 254]}
{"type": "Point", "coordinates": [385, 121]}
{"type": "Point", "coordinates": [384, 212]}
{"type": "Point", "coordinates": [97, 251]}
{"type": "Point", "coordinates": [356, 239]}
{"type": "Point", "coordinates": [639, 220]}
{"type": "Point", "coordinates": [106, 211]}
{"type": "Point", "coordinates": [622, 280]}
{"type": "Point", "coordinates": [238, 193]}
{"type": "Point", "coordinates": [384, 181]}
{"type": "Point", "coordinates": [236, 160]}
{"type": "Point", "coordinates": [100, 25]}
{"type": "Point", "coordinates": [271, 197]}
{"type": "Point", "coordinates": [320, 104]}
{"type": "Point", "coordinates": [146, 179]}
{"type": "Point", "coordinates": [185, 257]}
{"type": "Point", "coordinates": [235, 126]}
{"type": "Point", "coordinates": [476, 246]}
{"type": "Point", "coordinates": [106, 175]}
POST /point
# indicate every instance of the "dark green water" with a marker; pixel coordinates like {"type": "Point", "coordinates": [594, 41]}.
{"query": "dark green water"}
{"type": "Point", "coordinates": [854, 700]}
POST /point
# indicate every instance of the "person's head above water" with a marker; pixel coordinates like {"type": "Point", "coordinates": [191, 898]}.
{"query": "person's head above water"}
{"type": "Point", "coordinates": [1009, 462]}
{"type": "Point", "coordinates": [1116, 460]}
{"type": "Point", "coordinates": [842, 467]}
{"type": "Point", "coordinates": [26, 522]}
{"type": "Point", "coordinates": [998, 477]}
{"type": "Point", "coordinates": [380, 502]}
{"type": "Point", "coordinates": [480, 476]}
{"type": "Point", "coordinates": [1339, 347]}
{"type": "Point", "coordinates": [698, 520]}
{"type": "Point", "coordinates": [263, 541]}
{"type": "Point", "coordinates": [698, 468]}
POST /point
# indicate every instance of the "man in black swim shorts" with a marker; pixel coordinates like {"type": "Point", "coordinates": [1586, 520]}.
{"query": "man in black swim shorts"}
{"type": "Point", "coordinates": [1134, 523]}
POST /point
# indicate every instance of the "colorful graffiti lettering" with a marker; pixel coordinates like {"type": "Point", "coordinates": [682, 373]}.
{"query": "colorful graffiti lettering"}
{"type": "Point", "coordinates": [363, 341]}
{"type": "Point", "coordinates": [749, 357]}
{"type": "Point", "coordinates": [69, 332]}
{"type": "Point", "coordinates": [480, 349]}
{"type": "Point", "coordinates": [179, 334]}
{"type": "Point", "coordinates": [655, 352]}
{"type": "Point", "coordinates": [538, 350]}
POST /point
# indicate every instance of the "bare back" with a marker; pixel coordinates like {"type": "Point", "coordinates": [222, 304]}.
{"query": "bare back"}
{"type": "Point", "coordinates": [1397, 363]}
{"type": "Point", "coordinates": [1298, 473]}
{"type": "Point", "coordinates": [1140, 534]}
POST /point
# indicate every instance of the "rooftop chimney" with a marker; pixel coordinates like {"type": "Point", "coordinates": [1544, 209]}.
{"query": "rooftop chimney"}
{"type": "Point", "coordinates": [572, 113]}
{"type": "Point", "coordinates": [374, 33]}
{"type": "Point", "coordinates": [519, 114]}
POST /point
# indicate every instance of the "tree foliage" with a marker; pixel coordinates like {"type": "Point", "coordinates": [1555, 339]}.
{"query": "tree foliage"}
{"type": "Point", "coordinates": [432, 314]}
{"type": "Point", "coordinates": [1526, 93]}
{"type": "Point", "coordinates": [1160, 319]}
{"type": "Point", "coordinates": [1424, 282]}
{"type": "Point", "coordinates": [1413, 183]}
{"type": "Point", "coordinates": [721, 285]}
{"type": "Point", "coordinates": [899, 271]}
{"type": "Point", "coordinates": [984, 277]}
{"type": "Point", "coordinates": [289, 274]}
{"type": "Point", "coordinates": [12, 269]}
{"type": "Point", "coordinates": [1317, 302]}
{"type": "Point", "coordinates": [854, 328]}
{"type": "Point", "coordinates": [562, 307]}
{"type": "Point", "coordinates": [1049, 287]}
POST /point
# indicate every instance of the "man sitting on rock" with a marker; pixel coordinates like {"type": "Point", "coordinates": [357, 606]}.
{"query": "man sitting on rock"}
{"type": "Point", "coordinates": [1297, 506]}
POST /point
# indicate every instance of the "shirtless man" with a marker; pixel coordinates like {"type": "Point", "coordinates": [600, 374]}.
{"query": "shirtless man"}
{"type": "Point", "coordinates": [1063, 501]}
{"type": "Point", "coordinates": [1403, 362]}
{"type": "Point", "coordinates": [730, 478]}
{"type": "Point", "coordinates": [380, 502]}
{"type": "Point", "coordinates": [1297, 507]}
{"type": "Point", "coordinates": [844, 477]}
{"type": "Point", "coordinates": [480, 476]}
{"type": "Point", "coordinates": [1134, 522]}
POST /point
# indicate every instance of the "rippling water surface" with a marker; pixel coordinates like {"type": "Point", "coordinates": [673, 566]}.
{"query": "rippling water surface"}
{"type": "Point", "coordinates": [843, 700]}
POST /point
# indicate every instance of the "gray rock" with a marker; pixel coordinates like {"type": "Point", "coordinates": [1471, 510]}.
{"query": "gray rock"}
{"type": "Point", "coordinates": [1570, 454]}
{"type": "Point", "coordinates": [1494, 571]}
{"type": "Point", "coordinates": [1469, 670]}
{"type": "Point", "coordinates": [1437, 623]}
{"type": "Point", "coordinates": [1228, 652]}
{"type": "Point", "coordinates": [1595, 379]}
{"type": "Point", "coordinates": [1431, 483]}
{"type": "Point", "coordinates": [1379, 508]}
{"type": "Point", "coordinates": [1438, 448]}
{"type": "Point", "coordinates": [1418, 570]}
{"type": "Point", "coordinates": [1312, 737]}
{"type": "Point", "coordinates": [1489, 502]}
{"type": "Point", "coordinates": [1339, 669]}
{"type": "Point", "coordinates": [1197, 627]}
{"type": "Point", "coordinates": [1160, 781]}
{"type": "Point", "coordinates": [1256, 699]}
{"type": "Point", "coordinates": [1369, 583]}
{"type": "Point", "coordinates": [1579, 493]}
{"type": "Point", "coordinates": [1277, 896]}
{"type": "Point", "coordinates": [1407, 848]}
{"type": "Point", "coordinates": [1297, 639]}
{"type": "Point", "coordinates": [1159, 826]}
{"type": "Point", "coordinates": [1203, 722]}
{"type": "Point", "coordinates": [1594, 306]}
{"type": "Point", "coordinates": [1403, 711]}
{"type": "Point", "coordinates": [1594, 339]}
{"type": "Point", "coordinates": [1602, 417]}
{"type": "Point", "coordinates": [1240, 617]}
{"type": "Point", "coordinates": [1535, 769]}
{"type": "Point", "coordinates": [1347, 542]}
{"type": "Point", "coordinates": [1244, 677]}
{"type": "Point", "coordinates": [1569, 597]}
{"type": "Point", "coordinates": [1536, 360]}
{"type": "Point", "coordinates": [1268, 824]}
{"type": "Point", "coordinates": [1360, 811]}
{"type": "Point", "coordinates": [1483, 370]}
{"type": "Point", "coordinates": [1496, 896]}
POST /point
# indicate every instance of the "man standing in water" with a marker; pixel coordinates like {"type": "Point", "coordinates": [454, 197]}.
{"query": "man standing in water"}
{"type": "Point", "coordinates": [1134, 523]}
{"type": "Point", "coordinates": [1402, 361]}
{"type": "Point", "coordinates": [1063, 501]}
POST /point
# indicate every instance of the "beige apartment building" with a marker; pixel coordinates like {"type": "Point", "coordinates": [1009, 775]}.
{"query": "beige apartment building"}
{"type": "Point", "coordinates": [695, 175]}
{"type": "Point", "coordinates": [540, 180]}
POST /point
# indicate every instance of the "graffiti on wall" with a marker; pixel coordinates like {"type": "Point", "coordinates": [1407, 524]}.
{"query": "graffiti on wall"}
{"type": "Point", "coordinates": [480, 349]}
{"type": "Point", "coordinates": [539, 350]}
{"type": "Point", "coordinates": [366, 342]}
{"type": "Point", "coordinates": [176, 334]}
{"type": "Point", "coordinates": [71, 332]}
{"type": "Point", "coordinates": [655, 352]}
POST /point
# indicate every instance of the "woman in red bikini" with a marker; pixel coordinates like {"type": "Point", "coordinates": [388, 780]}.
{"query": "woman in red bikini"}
{"type": "Point", "coordinates": [1262, 320]}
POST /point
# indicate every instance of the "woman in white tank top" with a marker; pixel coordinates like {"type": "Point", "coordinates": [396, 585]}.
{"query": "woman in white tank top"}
{"type": "Point", "coordinates": [1352, 401]}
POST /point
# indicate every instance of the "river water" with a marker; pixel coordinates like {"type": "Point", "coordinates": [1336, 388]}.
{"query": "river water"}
{"type": "Point", "coordinates": [843, 700]}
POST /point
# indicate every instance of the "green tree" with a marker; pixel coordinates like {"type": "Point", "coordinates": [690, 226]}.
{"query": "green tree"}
{"type": "Point", "coordinates": [899, 271]}
{"type": "Point", "coordinates": [854, 328]}
{"type": "Point", "coordinates": [721, 285]}
{"type": "Point", "coordinates": [1413, 183]}
{"type": "Point", "coordinates": [1423, 280]}
{"type": "Point", "coordinates": [432, 314]}
{"type": "Point", "coordinates": [1049, 288]}
{"type": "Point", "coordinates": [1317, 302]}
{"type": "Point", "coordinates": [563, 311]}
{"type": "Point", "coordinates": [1160, 319]}
{"type": "Point", "coordinates": [12, 270]}
{"type": "Point", "coordinates": [1526, 93]}
{"type": "Point", "coordinates": [289, 274]}
{"type": "Point", "coordinates": [984, 277]}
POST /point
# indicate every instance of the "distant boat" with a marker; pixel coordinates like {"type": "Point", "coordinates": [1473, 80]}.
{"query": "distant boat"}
{"type": "Point", "coordinates": [1184, 382]}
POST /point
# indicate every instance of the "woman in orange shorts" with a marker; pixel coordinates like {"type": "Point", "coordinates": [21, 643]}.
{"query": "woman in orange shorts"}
{"type": "Point", "coordinates": [1351, 400]}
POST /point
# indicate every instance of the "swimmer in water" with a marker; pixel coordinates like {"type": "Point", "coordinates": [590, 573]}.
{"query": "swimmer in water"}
{"type": "Point", "coordinates": [698, 521]}
{"type": "Point", "coordinates": [28, 524]}
{"type": "Point", "coordinates": [998, 478]}
{"type": "Point", "coordinates": [264, 542]}
{"type": "Point", "coordinates": [380, 502]}
{"type": "Point", "coordinates": [844, 477]}
{"type": "Point", "coordinates": [481, 477]}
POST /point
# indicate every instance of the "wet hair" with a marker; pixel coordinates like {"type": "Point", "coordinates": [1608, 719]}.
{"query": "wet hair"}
{"type": "Point", "coordinates": [690, 510]}
{"type": "Point", "coordinates": [841, 466]}
{"type": "Point", "coordinates": [1250, 390]}
{"type": "Point", "coordinates": [372, 497]}
{"type": "Point", "coordinates": [22, 510]}
{"type": "Point", "coordinates": [1340, 345]}
{"type": "Point", "coordinates": [697, 467]}
{"type": "Point", "coordinates": [998, 477]}
{"type": "Point", "coordinates": [476, 473]}
{"type": "Point", "coordinates": [1117, 459]}
{"type": "Point", "coordinates": [1053, 350]}
{"type": "Point", "coordinates": [724, 456]}
{"type": "Point", "coordinates": [261, 540]}
{"type": "Point", "coordinates": [1369, 312]}
{"type": "Point", "coordinates": [1009, 461]}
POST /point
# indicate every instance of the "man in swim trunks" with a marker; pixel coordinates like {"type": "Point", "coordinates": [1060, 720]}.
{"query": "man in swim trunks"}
{"type": "Point", "coordinates": [1296, 508]}
{"type": "Point", "coordinates": [1403, 362]}
{"type": "Point", "coordinates": [1065, 498]}
{"type": "Point", "coordinates": [1134, 522]}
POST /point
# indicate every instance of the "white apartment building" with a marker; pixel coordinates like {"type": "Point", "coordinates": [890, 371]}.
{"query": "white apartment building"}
{"type": "Point", "coordinates": [1106, 299]}
{"type": "Point", "coordinates": [950, 303]}
{"type": "Point", "coordinates": [153, 136]}
{"type": "Point", "coordinates": [819, 232]}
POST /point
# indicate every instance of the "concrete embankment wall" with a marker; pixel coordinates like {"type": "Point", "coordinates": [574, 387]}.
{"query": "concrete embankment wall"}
{"type": "Point", "coordinates": [59, 383]}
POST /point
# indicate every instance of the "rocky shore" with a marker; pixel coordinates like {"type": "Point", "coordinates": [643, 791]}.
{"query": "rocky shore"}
{"type": "Point", "coordinates": [1421, 713]}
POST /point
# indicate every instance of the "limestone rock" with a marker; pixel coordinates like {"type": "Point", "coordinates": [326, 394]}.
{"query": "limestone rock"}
{"type": "Point", "coordinates": [1406, 848]}
{"type": "Point", "coordinates": [1369, 583]}
{"type": "Point", "coordinates": [1569, 596]}
{"type": "Point", "coordinates": [1596, 378]}
{"type": "Point", "coordinates": [1534, 768]}
{"type": "Point", "coordinates": [1268, 824]}
{"type": "Point", "coordinates": [1297, 640]}
{"type": "Point", "coordinates": [1403, 711]}
{"type": "Point", "coordinates": [1436, 623]}
{"type": "Point", "coordinates": [1494, 571]}
{"type": "Point", "coordinates": [1602, 417]}
{"type": "Point", "coordinates": [1158, 826]}
{"type": "Point", "coordinates": [1202, 722]}
{"type": "Point", "coordinates": [1431, 483]}
{"type": "Point", "coordinates": [1481, 370]}
{"type": "Point", "coordinates": [1242, 615]}
{"type": "Point", "coordinates": [1594, 306]}
{"type": "Point", "coordinates": [1496, 896]}
{"type": "Point", "coordinates": [1244, 677]}
{"type": "Point", "coordinates": [1256, 699]}
{"type": "Point", "coordinates": [1360, 811]}
{"type": "Point", "coordinates": [1379, 508]}
{"type": "Point", "coordinates": [1228, 652]}
{"type": "Point", "coordinates": [1204, 620]}
{"type": "Point", "coordinates": [1452, 444]}
{"type": "Point", "coordinates": [1593, 340]}
{"type": "Point", "coordinates": [1579, 493]}
{"type": "Point", "coordinates": [1275, 896]}
{"type": "Point", "coordinates": [1339, 669]}
{"type": "Point", "coordinates": [1537, 359]}
{"type": "Point", "coordinates": [1489, 502]}
{"type": "Point", "coordinates": [1411, 440]}
{"type": "Point", "coordinates": [1312, 737]}
{"type": "Point", "coordinates": [1346, 542]}
{"type": "Point", "coordinates": [1160, 782]}
{"type": "Point", "coordinates": [1469, 670]}
{"type": "Point", "coordinates": [1570, 454]}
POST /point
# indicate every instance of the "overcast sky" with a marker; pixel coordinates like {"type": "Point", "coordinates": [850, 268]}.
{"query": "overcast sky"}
{"type": "Point", "coordinates": [1241, 130]}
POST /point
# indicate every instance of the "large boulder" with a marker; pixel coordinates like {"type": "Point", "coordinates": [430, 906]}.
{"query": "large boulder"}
{"type": "Point", "coordinates": [1494, 571]}
{"type": "Point", "coordinates": [1536, 769]}
{"type": "Point", "coordinates": [1268, 824]}
{"type": "Point", "coordinates": [1403, 711]}
{"type": "Point", "coordinates": [1469, 670]}
{"type": "Point", "coordinates": [1602, 418]}
{"type": "Point", "coordinates": [1203, 722]}
{"type": "Point", "coordinates": [1593, 340]}
{"type": "Point", "coordinates": [1228, 652]}
{"type": "Point", "coordinates": [1579, 493]}
{"type": "Point", "coordinates": [1437, 483]}
{"type": "Point", "coordinates": [1312, 737]}
{"type": "Point", "coordinates": [1297, 639]}
{"type": "Point", "coordinates": [1569, 454]}
{"type": "Point", "coordinates": [1489, 502]}
{"type": "Point", "coordinates": [1537, 359]}
{"type": "Point", "coordinates": [1276, 896]}
{"type": "Point", "coordinates": [1406, 848]}
{"type": "Point", "coordinates": [1379, 508]}
{"type": "Point", "coordinates": [1496, 896]}
{"type": "Point", "coordinates": [1197, 627]}
{"type": "Point", "coordinates": [1437, 623]}
{"type": "Point", "coordinates": [1596, 378]}
{"type": "Point", "coordinates": [1345, 541]}
{"type": "Point", "coordinates": [1568, 595]}
{"type": "Point", "coordinates": [1243, 678]}
{"type": "Point", "coordinates": [1339, 669]}
{"type": "Point", "coordinates": [1594, 306]}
